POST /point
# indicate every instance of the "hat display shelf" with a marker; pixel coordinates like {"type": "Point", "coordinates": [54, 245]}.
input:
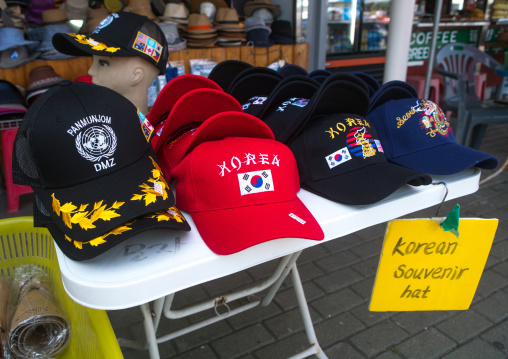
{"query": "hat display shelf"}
{"type": "Point", "coordinates": [72, 68]}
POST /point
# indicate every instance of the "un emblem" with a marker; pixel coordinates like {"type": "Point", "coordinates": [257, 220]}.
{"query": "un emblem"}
{"type": "Point", "coordinates": [96, 142]}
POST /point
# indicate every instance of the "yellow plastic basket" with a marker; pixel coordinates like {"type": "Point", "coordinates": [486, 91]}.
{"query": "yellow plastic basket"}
{"type": "Point", "coordinates": [92, 336]}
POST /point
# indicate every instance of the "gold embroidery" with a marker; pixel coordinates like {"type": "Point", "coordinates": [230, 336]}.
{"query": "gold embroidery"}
{"type": "Point", "coordinates": [71, 214]}
{"type": "Point", "coordinates": [171, 213]}
{"type": "Point", "coordinates": [150, 193]}
{"type": "Point", "coordinates": [98, 46]}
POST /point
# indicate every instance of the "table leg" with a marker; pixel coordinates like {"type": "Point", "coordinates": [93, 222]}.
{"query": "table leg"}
{"type": "Point", "coordinates": [153, 349]}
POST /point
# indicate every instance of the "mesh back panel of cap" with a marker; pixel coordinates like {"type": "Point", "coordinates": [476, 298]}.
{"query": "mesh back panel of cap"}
{"type": "Point", "coordinates": [153, 30]}
{"type": "Point", "coordinates": [24, 167]}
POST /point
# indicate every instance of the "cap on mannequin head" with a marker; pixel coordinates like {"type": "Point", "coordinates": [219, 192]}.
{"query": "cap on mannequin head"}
{"type": "Point", "coordinates": [129, 76]}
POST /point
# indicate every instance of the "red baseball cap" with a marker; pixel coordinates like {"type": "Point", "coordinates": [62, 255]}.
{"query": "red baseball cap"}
{"type": "Point", "coordinates": [172, 92]}
{"type": "Point", "coordinates": [242, 191]}
{"type": "Point", "coordinates": [191, 110]}
{"type": "Point", "coordinates": [217, 127]}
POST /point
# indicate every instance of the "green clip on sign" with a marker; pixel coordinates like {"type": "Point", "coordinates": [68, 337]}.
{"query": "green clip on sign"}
{"type": "Point", "coordinates": [424, 267]}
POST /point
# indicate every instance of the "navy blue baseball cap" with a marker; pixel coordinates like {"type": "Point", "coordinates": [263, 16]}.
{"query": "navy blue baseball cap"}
{"type": "Point", "coordinates": [416, 134]}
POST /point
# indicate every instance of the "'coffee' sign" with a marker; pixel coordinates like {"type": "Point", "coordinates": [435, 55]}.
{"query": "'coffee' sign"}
{"type": "Point", "coordinates": [423, 267]}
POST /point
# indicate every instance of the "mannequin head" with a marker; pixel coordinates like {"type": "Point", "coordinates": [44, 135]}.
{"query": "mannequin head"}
{"type": "Point", "coordinates": [129, 76]}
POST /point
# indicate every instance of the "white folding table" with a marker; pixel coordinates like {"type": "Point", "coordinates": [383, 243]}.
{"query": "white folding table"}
{"type": "Point", "coordinates": [153, 266]}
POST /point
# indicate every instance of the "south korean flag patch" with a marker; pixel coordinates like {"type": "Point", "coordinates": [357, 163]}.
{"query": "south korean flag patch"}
{"type": "Point", "coordinates": [255, 182]}
{"type": "Point", "coordinates": [338, 157]}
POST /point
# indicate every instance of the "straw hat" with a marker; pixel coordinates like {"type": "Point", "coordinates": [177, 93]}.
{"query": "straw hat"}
{"type": "Point", "coordinates": [227, 19]}
{"type": "Point", "coordinates": [177, 13]}
{"type": "Point", "coordinates": [199, 24]}
{"type": "Point", "coordinates": [54, 17]}
{"type": "Point", "coordinates": [75, 9]}
{"type": "Point", "coordinates": [251, 6]}
{"type": "Point", "coordinates": [142, 7]}
{"type": "Point", "coordinates": [196, 4]}
{"type": "Point", "coordinates": [93, 19]}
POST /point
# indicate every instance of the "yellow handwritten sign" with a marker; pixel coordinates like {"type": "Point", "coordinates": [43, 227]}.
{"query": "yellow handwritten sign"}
{"type": "Point", "coordinates": [422, 267]}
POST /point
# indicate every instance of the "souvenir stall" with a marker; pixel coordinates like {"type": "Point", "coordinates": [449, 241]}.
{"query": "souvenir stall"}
{"type": "Point", "coordinates": [137, 200]}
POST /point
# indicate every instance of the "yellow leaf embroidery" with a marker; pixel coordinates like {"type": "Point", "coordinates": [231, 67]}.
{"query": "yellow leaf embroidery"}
{"type": "Point", "coordinates": [137, 197]}
{"type": "Point", "coordinates": [68, 208]}
{"type": "Point", "coordinates": [117, 205]}
{"type": "Point", "coordinates": [82, 207]}
{"type": "Point", "coordinates": [97, 214]}
{"type": "Point", "coordinates": [55, 204]}
{"type": "Point", "coordinates": [95, 242]}
{"type": "Point", "coordinates": [66, 218]}
{"type": "Point", "coordinates": [107, 215]}
{"type": "Point", "coordinates": [97, 205]}
{"type": "Point", "coordinates": [78, 245]}
{"type": "Point", "coordinates": [78, 217]}
{"type": "Point", "coordinates": [120, 230]}
{"type": "Point", "coordinates": [150, 198]}
{"type": "Point", "coordinates": [86, 224]}
{"type": "Point", "coordinates": [67, 238]}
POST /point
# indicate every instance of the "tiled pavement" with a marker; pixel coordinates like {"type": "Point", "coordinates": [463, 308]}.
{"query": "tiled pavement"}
{"type": "Point", "coordinates": [338, 277]}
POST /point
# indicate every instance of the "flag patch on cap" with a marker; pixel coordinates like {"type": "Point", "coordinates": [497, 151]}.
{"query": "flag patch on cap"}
{"type": "Point", "coordinates": [338, 157]}
{"type": "Point", "coordinates": [146, 126]}
{"type": "Point", "coordinates": [255, 182]}
{"type": "Point", "coordinates": [148, 46]}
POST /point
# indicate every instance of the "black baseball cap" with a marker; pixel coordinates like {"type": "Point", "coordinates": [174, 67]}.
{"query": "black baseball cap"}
{"type": "Point", "coordinates": [120, 34]}
{"type": "Point", "coordinates": [85, 151]}
{"type": "Point", "coordinates": [340, 158]}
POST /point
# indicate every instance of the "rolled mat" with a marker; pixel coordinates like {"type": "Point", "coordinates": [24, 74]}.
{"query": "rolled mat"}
{"type": "Point", "coordinates": [5, 290]}
{"type": "Point", "coordinates": [38, 327]}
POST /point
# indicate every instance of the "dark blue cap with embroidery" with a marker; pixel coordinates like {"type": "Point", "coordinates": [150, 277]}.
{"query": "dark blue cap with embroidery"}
{"type": "Point", "coordinates": [416, 134]}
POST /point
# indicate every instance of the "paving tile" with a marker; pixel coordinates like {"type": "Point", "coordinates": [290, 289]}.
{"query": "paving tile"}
{"type": "Point", "coordinates": [491, 282]}
{"type": "Point", "coordinates": [372, 232]}
{"type": "Point", "coordinates": [464, 326]}
{"type": "Point", "coordinates": [343, 350]}
{"type": "Point", "coordinates": [378, 338]}
{"type": "Point", "coordinates": [427, 344]}
{"type": "Point", "coordinates": [342, 243]}
{"type": "Point", "coordinates": [498, 336]}
{"type": "Point", "coordinates": [203, 352]}
{"type": "Point", "coordinates": [368, 317]}
{"type": "Point", "coordinates": [336, 303]}
{"type": "Point", "coordinates": [254, 315]}
{"type": "Point", "coordinates": [311, 254]}
{"type": "Point", "coordinates": [494, 308]}
{"type": "Point", "coordinates": [227, 284]}
{"type": "Point", "coordinates": [263, 270]}
{"type": "Point", "coordinates": [333, 281]}
{"type": "Point", "coordinates": [242, 342]}
{"type": "Point", "coordinates": [286, 298]}
{"type": "Point", "coordinates": [369, 249]}
{"type": "Point", "coordinates": [475, 349]}
{"type": "Point", "coordinates": [364, 288]}
{"type": "Point", "coordinates": [309, 271]}
{"type": "Point", "coordinates": [288, 323]}
{"type": "Point", "coordinates": [202, 336]}
{"type": "Point", "coordinates": [414, 322]}
{"type": "Point", "coordinates": [333, 330]}
{"type": "Point", "coordinates": [500, 249]}
{"type": "Point", "coordinates": [367, 267]}
{"type": "Point", "coordinates": [337, 261]}
{"type": "Point", "coordinates": [284, 348]}
{"type": "Point", "coordinates": [501, 268]}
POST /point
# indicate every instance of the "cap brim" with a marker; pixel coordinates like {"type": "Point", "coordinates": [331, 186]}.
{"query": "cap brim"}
{"type": "Point", "coordinates": [169, 219]}
{"type": "Point", "coordinates": [83, 45]}
{"type": "Point", "coordinates": [366, 185]}
{"type": "Point", "coordinates": [93, 208]}
{"type": "Point", "coordinates": [292, 70]}
{"type": "Point", "coordinates": [446, 159]}
{"type": "Point", "coordinates": [172, 92]}
{"type": "Point", "coordinates": [242, 230]}
{"type": "Point", "coordinates": [192, 109]}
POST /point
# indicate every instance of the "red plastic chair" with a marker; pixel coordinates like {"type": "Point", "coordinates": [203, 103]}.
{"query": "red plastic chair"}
{"type": "Point", "coordinates": [13, 190]}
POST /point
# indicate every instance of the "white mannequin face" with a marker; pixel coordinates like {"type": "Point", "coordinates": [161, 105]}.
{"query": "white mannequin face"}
{"type": "Point", "coordinates": [115, 73]}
